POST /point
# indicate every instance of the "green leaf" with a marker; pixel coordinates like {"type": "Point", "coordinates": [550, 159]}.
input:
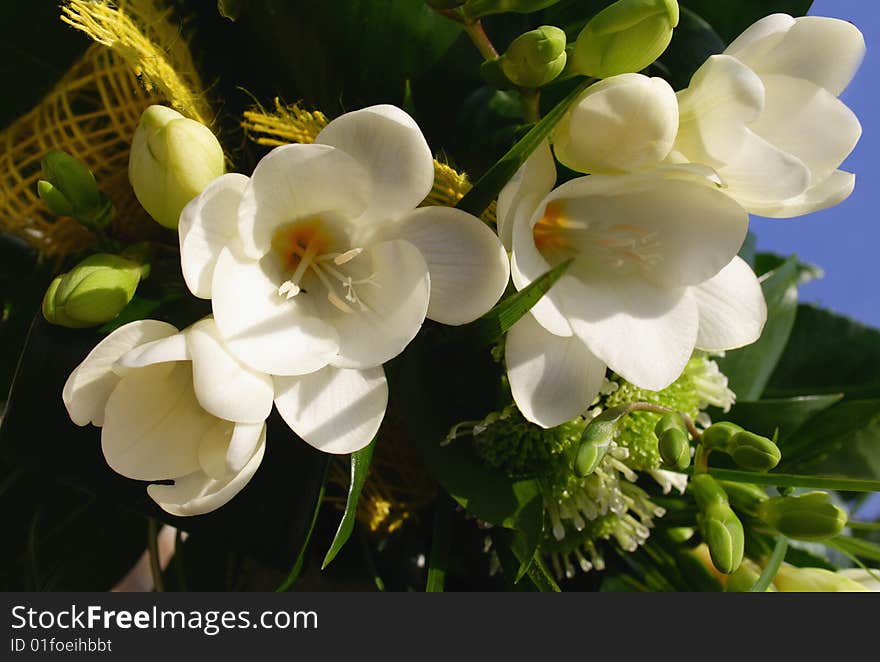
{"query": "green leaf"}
{"type": "Point", "coordinates": [509, 311]}
{"type": "Point", "coordinates": [490, 184]}
{"type": "Point", "coordinates": [858, 547]}
{"type": "Point", "coordinates": [297, 567]}
{"type": "Point", "coordinates": [748, 369]}
{"type": "Point", "coordinates": [797, 480]}
{"type": "Point", "coordinates": [772, 567]}
{"type": "Point", "coordinates": [843, 440]}
{"type": "Point", "coordinates": [731, 17]}
{"type": "Point", "coordinates": [229, 8]}
{"type": "Point", "coordinates": [360, 467]}
{"type": "Point", "coordinates": [787, 415]}
{"type": "Point", "coordinates": [440, 543]}
{"type": "Point", "coordinates": [693, 41]}
{"type": "Point", "coordinates": [828, 353]}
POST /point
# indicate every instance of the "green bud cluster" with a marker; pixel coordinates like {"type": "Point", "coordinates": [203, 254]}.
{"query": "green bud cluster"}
{"type": "Point", "coordinates": [720, 527]}
{"type": "Point", "coordinates": [749, 450]}
{"type": "Point", "coordinates": [507, 441]}
{"type": "Point", "coordinates": [68, 188]}
{"type": "Point", "coordinates": [625, 37]}
{"type": "Point", "coordinates": [811, 516]}
{"type": "Point", "coordinates": [93, 292]}
{"type": "Point", "coordinates": [534, 58]}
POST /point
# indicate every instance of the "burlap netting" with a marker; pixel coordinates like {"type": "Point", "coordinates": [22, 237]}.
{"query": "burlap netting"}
{"type": "Point", "coordinates": [140, 58]}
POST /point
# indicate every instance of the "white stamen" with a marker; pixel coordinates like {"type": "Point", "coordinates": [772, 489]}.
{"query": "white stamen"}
{"type": "Point", "coordinates": [347, 256]}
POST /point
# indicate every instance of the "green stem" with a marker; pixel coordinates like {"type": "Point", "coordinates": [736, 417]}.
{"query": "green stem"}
{"type": "Point", "coordinates": [531, 105]}
{"type": "Point", "coordinates": [178, 560]}
{"type": "Point", "coordinates": [772, 567]}
{"type": "Point", "coordinates": [153, 547]}
{"type": "Point", "coordinates": [301, 557]}
{"type": "Point", "coordinates": [481, 40]}
{"type": "Point", "coordinates": [440, 544]}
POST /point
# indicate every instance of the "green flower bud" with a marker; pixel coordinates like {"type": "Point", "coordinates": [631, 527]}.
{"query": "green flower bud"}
{"type": "Point", "coordinates": [707, 491]}
{"type": "Point", "coordinates": [172, 160]}
{"type": "Point", "coordinates": [675, 449]}
{"type": "Point", "coordinates": [810, 516]}
{"type": "Point", "coordinates": [535, 58]}
{"type": "Point", "coordinates": [790, 579]}
{"type": "Point", "coordinates": [669, 421]}
{"type": "Point", "coordinates": [718, 435]}
{"type": "Point", "coordinates": [743, 578]}
{"type": "Point", "coordinates": [744, 496]}
{"type": "Point", "coordinates": [93, 292]}
{"type": "Point", "coordinates": [474, 9]}
{"type": "Point", "coordinates": [754, 452]}
{"type": "Point", "coordinates": [68, 188]}
{"type": "Point", "coordinates": [723, 533]}
{"type": "Point", "coordinates": [595, 442]}
{"type": "Point", "coordinates": [625, 37]}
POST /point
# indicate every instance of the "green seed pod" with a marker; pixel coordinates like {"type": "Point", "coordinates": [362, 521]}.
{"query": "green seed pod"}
{"type": "Point", "coordinates": [173, 158]}
{"type": "Point", "coordinates": [535, 58]}
{"type": "Point", "coordinates": [811, 516]}
{"type": "Point", "coordinates": [68, 188]}
{"type": "Point", "coordinates": [93, 292]}
{"type": "Point", "coordinates": [474, 9]}
{"type": "Point", "coordinates": [595, 442]}
{"type": "Point", "coordinates": [625, 37]}
{"type": "Point", "coordinates": [723, 533]}
{"type": "Point", "coordinates": [754, 452]}
{"type": "Point", "coordinates": [675, 449]}
{"type": "Point", "coordinates": [718, 435]}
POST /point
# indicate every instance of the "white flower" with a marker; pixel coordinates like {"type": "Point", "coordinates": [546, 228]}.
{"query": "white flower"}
{"type": "Point", "coordinates": [655, 275]}
{"type": "Point", "coordinates": [320, 268]}
{"type": "Point", "coordinates": [765, 114]}
{"type": "Point", "coordinates": [618, 125]}
{"type": "Point", "coordinates": [174, 406]}
{"type": "Point", "coordinates": [868, 578]}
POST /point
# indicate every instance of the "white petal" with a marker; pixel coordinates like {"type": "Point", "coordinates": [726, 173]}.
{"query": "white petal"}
{"type": "Point", "coordinates": [732, 308]}
{"type": "Point", "coordinates": [468, 265]}
{"type": "Point", "coordinates": [825, 51]}
{"type": "Point", "coordinates": [553, 379]}
{"type": "Point", "coordinates": [649, 229]}
{"type": "Point", "coordinates": [642, 332]}
{"type": "Point", "coordinates": [92, 381]}
{"type": "Point", "coordinates": [226, 449]}
{"type": "Point", "coordinates": [394, 305]}
{"type": "Point", "coordinates": [392, 150]}
{"type": "Point", "coordinates": [265, 330]}
{"type": "Point", "coordinates": [621, 124]}
{"type": "Point", "coordinates": [809, 123]}
{"type": "Point", "coordinates": [828, 193]}
{"type": "Point", "coordinates": [724, 96]}
{"type": "Point", "coordinates": [197, 493]}
{"type": "Point", "coordinates": [761, 173]}
{"type": "Point", "coordinates": [295, 182]}
{"type": "Point", "coordinates": [760, 38]}
{"type": "Point", "coordinates": [336, 410]}
{"type": "Point", "coordinates": [172, 348]}
{"type": "Point", "coordinates": [521, 195]}
{"type": "Point", "coordinates": [207, 224]}
{"type": "Point", "coordinates": [667, 480]}
{"type": "Point", "coordinates": [153, 423]}
{"type": "Point", "coordinates": [224, 386]}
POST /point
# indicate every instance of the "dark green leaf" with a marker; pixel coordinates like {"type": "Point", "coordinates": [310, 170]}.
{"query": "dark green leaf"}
{"type": "Point", "coordinates": [508, 312]}
{"type": "Point", "coordinates": [440, 543]}
{"type": "Point", "coordinates": [828, 353]}
{"type": "Point", "coordinates": [843, 440]}
{"type": "Point", "coordinates": [490, 184]}
{"type": "Point", "coordinates": [731, 17]}
{"type": "Point", "coordinates": [298, 564]}
{"type": "Point", "coordinates": [360, 466]}
{"type": "Point", "coordinates": [772, 567]}
{"type": "Point", "coordinates": [693, 41]}
{"type": "Point", "coordinates": [804, 559]}
{"type": "Point", "coordinates": [787, 415]}
{"type": "Point", "coordinates": [858, 547]}
{"type": "Point", "coordinates": [749, 368]}
{"type": "Point", "coordinates": [797, 480]}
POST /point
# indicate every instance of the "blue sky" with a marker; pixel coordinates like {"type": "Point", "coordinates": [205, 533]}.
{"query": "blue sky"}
{"type": "Point", "coordinates": [844, 241]}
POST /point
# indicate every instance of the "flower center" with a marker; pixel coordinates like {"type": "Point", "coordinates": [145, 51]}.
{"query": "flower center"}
{"type": "Point", "coordinates": [623, 247]}
{"type": "Point", "coordinates": [310, 257]}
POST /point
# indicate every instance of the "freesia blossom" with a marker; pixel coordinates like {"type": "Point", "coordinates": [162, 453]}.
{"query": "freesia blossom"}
{"type": "Point", "coordinates": [765, 114]}
{"type": "Point", "coordinates": [654, 276]}
{"type": "Point", "coordinates": [320, 268]}
{"type": "Point", "coordinates": [618, 125]}
{"type": "Point", "coordinates": [174, 406]}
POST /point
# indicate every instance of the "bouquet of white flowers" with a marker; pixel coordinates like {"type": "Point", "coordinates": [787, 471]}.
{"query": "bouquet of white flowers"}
{"type": "Point", "coordinates": [501, 316]}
